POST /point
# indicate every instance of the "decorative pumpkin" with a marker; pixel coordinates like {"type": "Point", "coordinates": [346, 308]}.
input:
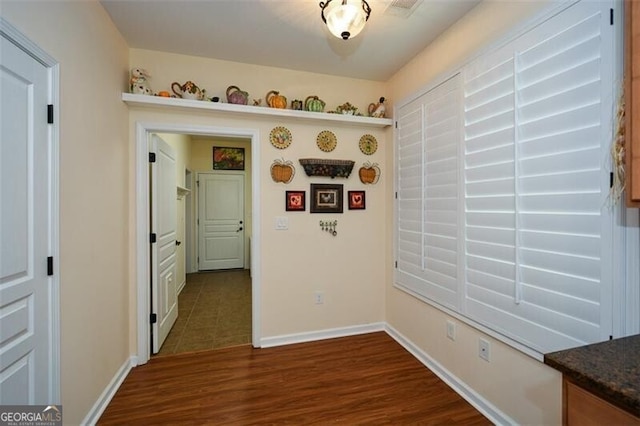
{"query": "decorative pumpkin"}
{"type": "Point", "coordinates": [276, 100]}
{"type": "Point", "coordinates": [282, 171]}
{"type": "Point", "coordinates": [314, 104]}
{"type": "Point", "coordinates": [369, 173]}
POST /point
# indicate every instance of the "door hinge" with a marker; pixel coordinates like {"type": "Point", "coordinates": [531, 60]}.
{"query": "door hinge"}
{"type": "Point", "coordinates": [611, 180]}
{"type": "Point", "coordinates": [396, 264]}
{"type": "Point", "coordinates": [49, 114]}
{"type": "Point", "coordinates": [153, 318]}
{"type": "Point", "coordinates": [152, 157]}
{"type": "Point", "coordinates": [396, 124]}
{"type": "Point", "coordinates": [396, 195]}
{"type": "Point", "coordinates": [50, 265]}
{"type": "Point", "coordinates": [610, 16]}
{"type": "Point", "coordinates": [152, 237]}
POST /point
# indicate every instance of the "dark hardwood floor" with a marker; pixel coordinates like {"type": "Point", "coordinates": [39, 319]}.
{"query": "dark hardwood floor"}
{"type": "Point", "coordinates": [364, 379]}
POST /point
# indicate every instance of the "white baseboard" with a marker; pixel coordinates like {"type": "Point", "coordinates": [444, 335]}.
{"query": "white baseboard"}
{"type": "Point", "coordinates": [105, 398]}
{"type": "Point", "coordinates": [181, 286]}
{"type": "Point", "coordinates": [461, 388]}
{"type": "Point", "coordinates": [331, 333]}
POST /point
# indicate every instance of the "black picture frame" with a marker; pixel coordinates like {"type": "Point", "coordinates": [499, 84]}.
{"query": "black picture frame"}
{"type": "Point", "coordinates": [326, 198]}
{"type": "Point", "coordinates": [228, 158]}
{"type": "Point", "coordinates": [295, 201]}
{"type": "Point", "coordinates": [357, 200]}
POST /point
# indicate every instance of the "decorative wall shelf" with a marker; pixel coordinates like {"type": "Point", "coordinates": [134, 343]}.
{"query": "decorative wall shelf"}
{"type": "Point", "coordinates": [247, 110]}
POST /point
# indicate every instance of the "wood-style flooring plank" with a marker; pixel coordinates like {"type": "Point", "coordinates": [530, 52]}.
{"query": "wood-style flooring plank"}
{"type": "Point", "coordinates": [364, 379]}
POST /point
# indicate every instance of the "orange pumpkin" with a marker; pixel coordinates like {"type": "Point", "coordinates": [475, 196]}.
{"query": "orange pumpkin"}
{"type": "Point", "coordinates": [369, 173]}
{"type": "Point", "coordinates": [282, 171]}
{"type": "Point", "coordinates": [276, 100]}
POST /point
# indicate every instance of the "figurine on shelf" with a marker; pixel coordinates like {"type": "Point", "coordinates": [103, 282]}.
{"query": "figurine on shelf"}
{"type": "Point", "coordinates": [377, 110]}
{"type": "Point", "coordinates": [346, 109]}
{"type": "Point", "coordinates": [138, 83]}
{"type": "Point", "coordinates": [257, 102]}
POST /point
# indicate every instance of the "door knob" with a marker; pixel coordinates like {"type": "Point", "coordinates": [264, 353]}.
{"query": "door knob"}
{"type": "Point", "coordinates": [178, 242]}
{"type": "Point", "coordinates": [239, 229]}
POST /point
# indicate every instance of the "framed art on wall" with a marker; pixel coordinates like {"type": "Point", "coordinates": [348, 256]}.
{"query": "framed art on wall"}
{"type": "Point", "coordinates": [356, 200]}
{"type": "Point", "coordinates": [326, 198]}
{"type": "Point", "coordinates": [295, 201]}
{"type": "Point", "coordinates": [225, 158]}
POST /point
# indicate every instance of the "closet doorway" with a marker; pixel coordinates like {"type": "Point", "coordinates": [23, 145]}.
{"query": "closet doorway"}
{"type": "Point", "coordinates": [143, 132]}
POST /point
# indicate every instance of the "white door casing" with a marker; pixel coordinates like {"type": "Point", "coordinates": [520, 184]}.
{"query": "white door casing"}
{"type": "Point", "coordinates": [221, 221]}
{"type": "Point", "coordinates": [29, 298]}
{"type": "Point", "coordinates": [164, 297]}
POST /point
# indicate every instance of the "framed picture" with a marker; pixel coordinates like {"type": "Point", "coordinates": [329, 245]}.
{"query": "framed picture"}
{"type": "Point", "coordinates": [296, 201]}
{"type": "Point", "coordinates": [225, 158]}
{"type": "Point", "coordinates": [356, 200]}
{"type": "Point", "coordinates": [326, 198]}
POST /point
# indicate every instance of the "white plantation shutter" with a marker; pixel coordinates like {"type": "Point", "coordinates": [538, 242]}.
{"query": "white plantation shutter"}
{"type": "Point", "coordinates": [535, 144]}
{"type": "Point", "coordinates": [536, 125]}
{"type": "Point", "coordinates": [427, 154]}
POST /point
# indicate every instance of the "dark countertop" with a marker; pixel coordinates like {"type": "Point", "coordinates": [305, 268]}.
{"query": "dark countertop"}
{"type": "Point", "coordinates": [609, 370]}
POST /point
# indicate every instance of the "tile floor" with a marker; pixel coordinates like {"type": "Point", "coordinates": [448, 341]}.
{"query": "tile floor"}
{"type": "Point", "coordinates": [214, 311]}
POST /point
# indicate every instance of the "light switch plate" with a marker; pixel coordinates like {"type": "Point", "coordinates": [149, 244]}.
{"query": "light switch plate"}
{"type": "Point", "coordinates": [282, 223]}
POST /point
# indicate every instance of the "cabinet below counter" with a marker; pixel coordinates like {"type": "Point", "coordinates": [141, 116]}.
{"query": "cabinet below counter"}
{"type": "Point", "coordinates": [600, 380]}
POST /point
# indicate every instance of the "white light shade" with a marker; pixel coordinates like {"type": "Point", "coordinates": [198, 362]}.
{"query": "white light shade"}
{"type": "Point", "coordinates": [345, 18]}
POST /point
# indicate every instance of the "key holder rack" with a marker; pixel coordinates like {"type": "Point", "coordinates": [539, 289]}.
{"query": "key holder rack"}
{"type": "Point", "coordinates": [329, 226]}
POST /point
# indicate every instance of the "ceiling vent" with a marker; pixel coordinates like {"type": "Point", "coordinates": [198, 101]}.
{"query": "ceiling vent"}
{"type": "Point", "coordinates": [402, 8]}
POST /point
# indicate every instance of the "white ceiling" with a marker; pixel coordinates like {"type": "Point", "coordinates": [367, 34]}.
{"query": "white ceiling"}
{"type": "Point", "coordinates": [286, 33]}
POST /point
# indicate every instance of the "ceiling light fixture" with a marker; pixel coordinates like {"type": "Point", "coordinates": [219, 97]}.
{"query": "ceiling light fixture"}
{"type": "Point", "coordinates": [345, 18]}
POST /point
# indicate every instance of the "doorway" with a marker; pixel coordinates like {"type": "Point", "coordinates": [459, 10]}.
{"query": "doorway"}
{"type": "Point", "coordinates": [143, 131]}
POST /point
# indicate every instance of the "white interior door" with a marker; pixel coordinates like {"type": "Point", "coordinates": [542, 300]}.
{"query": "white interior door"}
{"type": "Point", "coordinates": [26, 361]}
{"type": "Point", "coordinates": [164, 284]}
{"type": "Point", "coordinates": [220, 221]}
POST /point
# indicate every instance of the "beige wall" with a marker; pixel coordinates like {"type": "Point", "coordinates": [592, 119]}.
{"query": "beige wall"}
{"type": "Point", "coordinates": [216, 75]}
{"type": "Point", "coordinates": [349, 268]}
{"type": "Point", "coordinates": [94, 183]}
{"type": "Point", "coordinates": [98, 312]}
{"type": "Point", "coordinates": [519, 386]}
{"type": "Point", "coordinates": [182, 146]}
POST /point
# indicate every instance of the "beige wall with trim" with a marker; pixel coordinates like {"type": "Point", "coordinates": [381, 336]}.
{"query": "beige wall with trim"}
{"type": "Point", "coordinates": [349, 268]}
{"type": "Point", "coordinates": [97, 209]}
{"type": "Point", "coordinates": [94, 187]}
{"type": "Point", "coordinates": [518, 385]}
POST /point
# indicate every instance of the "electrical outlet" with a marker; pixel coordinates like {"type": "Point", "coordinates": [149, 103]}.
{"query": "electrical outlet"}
{"type": "Point", "coordinates": [484, 350]}
{"type": "Point", "coordinates": [319, 297]}
{"type": "Point", "coordinates": [451, 330]}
